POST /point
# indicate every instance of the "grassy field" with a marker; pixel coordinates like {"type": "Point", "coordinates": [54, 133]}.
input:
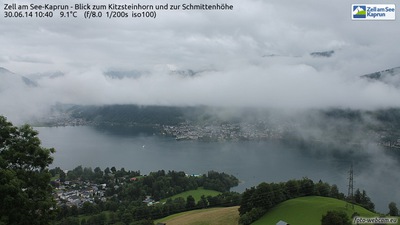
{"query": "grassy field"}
{"type": "Point", "coordinates": [308, 211]}
{"type": "Point", "coordinates": [195, 193]}
{"type": "Point", "coordinates": [213, 216]}
{"type": "Point", "coordinates": [57, 176]}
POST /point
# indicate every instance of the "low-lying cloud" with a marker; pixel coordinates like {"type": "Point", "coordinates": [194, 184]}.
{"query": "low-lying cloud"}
{"type": "Point", "coordinates": [257, 55]}
{"type": "Point", "coordinates": [297, 85]}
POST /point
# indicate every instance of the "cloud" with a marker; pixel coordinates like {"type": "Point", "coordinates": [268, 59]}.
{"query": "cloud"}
{"type": "Point", "coordinates": [29, 59]}
{"type": "Point", "coordinates": [256, 55]}
{"type": "Point", "coordinates": [269, 83]}
{"type": "Point", "coordinates": [198, 38]}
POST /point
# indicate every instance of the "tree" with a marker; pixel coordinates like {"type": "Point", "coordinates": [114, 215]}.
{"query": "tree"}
{"type": "Point", "coordinates": [107, 171]}
{"type": "Point", "coordinates": [357, 196]}
{"type": "Point", "coordinates": [190, 202]}
{"type": "Point", "coordinates": [178, 205]}
{"type": "Point", "coordinates": [335, 218]}
{"type": "Point", "coordinates": [70, 221]}
{"type": "Point", "coordinates": [334, 193]}
{"type": "Point", "coordinates": [323, 189]}
{"type": "Point", "coordinates": [292, 189]}
{"type": "Point", "coordinates": [263, 196]}
{"type": "Point", "coordinates": [88, 208]}
{"type": "Point", "coordinates": [87, 173]}
{"type": "Point", "coordinates": [62, 176]}
{"type": "Point", "coordinates": [143, 222]}
{"type": "Point", "coordinates": [113, 170]}
{"type": "Point", "coordinates": [127, 217]}
{"type": "Point", "coordinates": [307, 187]}
{"type": "Point", "coordinates": [366, 201]}
{"type": "Point", "coordinates": [251, 216]}
{"type": "Point", "coordinates": [393, 210]}
{"type": "Point", "coordinates": [278, 190]}
{"type": "Point", "coordinates": [246, 203]}
{"type": "Point", "coordinates": [363, 199]}
{"type": "Point", "coordinates": [25, 179]}
{"type": "Point", "coordinates": [74, 210]}
{"type": "Point", "coordinates": [98, 172]}
{"type": "Point", "coordinates": [213, 200]}
{"type": "Point", "coordinates": [202, 203]}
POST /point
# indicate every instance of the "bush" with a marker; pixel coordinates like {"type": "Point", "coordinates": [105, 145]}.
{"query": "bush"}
{"type": "Point", "coordinates": [251, 216]}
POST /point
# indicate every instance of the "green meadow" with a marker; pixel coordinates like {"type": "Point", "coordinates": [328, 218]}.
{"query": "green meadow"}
{"type": "Point", "coordinates": [196, 194]}
{"type": "Point", "coordinates": [308, 211]}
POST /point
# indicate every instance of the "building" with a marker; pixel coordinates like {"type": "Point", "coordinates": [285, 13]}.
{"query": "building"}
{"type": "Point", "coordinates": [281, 222]}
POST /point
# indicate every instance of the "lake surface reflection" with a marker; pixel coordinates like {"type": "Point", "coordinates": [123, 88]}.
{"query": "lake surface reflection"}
{"type": "Point", "coordinates": [252, 162]}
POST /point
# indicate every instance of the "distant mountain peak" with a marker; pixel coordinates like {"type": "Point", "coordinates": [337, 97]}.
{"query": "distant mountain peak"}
{"type": "Point", "coordinates": [37, 76]}
{"type": "Point", "coordinates": [121, 74]}
{"type": "Point", "coordinates": [380, 74]}
{"type": "Point", "coordinates": [389, 76]}
{"type": "Point", "coordinates": [323, 54]}
{"type": "Point", "coordinates": [9, 78]}
{"type": "Point", "coordinates": [4, 70]}
{"type": "Point", "coordinates": [188, 72]}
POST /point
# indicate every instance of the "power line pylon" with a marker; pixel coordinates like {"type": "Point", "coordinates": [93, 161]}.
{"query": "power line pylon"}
{"type": "Point", "coordinates": [350, 191]}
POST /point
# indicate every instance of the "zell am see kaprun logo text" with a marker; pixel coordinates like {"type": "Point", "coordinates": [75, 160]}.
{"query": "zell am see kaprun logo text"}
{"type": "Point", "coordinates": [373, 12]}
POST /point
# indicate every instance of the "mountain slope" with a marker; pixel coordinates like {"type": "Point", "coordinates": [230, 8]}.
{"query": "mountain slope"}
{"type": "Point", "coordinates": [308, 211]}
{"type": "Point", "coordinates": [389, 76]}
{"type": "Point", "coordinates": [10, 80]}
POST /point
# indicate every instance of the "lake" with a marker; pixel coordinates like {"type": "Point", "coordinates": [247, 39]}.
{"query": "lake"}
{"type": "Point", "coordinates": [251, 161]}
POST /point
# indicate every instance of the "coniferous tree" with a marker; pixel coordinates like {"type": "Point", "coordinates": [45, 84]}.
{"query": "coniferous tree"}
{"type": "Point", "coordinates": [393, 210]}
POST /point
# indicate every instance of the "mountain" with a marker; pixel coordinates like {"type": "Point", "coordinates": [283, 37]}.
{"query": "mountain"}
{"type": "Point", "coordinates": [389, 76]}
{"type": "Point", "coordinates": [10, 80]}
{"type": "Point", "coordinates": [8, 77]}
{"type": "Point", "coordinates": [117, 74]}
{"type": "Point", "coordinates": [135, 74]}
{"type": "Point", "coordinates": [186, 73]}
{"type": "Point", "coordinates": [4, 71]}
{"type": "Point", "coordinates": [322, 54]}
{"type": "Point", "coordinates": [37, 76]}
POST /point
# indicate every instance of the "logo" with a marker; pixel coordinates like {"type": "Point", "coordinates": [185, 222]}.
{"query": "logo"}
{"type": "Point", "coordinates": [359, 11]}
{"type": "Point", "coordinates": [373, 12]}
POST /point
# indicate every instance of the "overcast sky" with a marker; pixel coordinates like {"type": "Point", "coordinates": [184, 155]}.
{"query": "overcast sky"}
{"type": "Point", "coordinates": [256, 55]}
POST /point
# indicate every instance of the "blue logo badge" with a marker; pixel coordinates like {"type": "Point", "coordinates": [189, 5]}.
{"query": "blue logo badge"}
{"type": "Point", "coordinates": [359, 12]}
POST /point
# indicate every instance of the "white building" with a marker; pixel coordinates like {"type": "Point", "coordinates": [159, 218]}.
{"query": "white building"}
{"type": "Point", "coordinates": [281, 222]}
